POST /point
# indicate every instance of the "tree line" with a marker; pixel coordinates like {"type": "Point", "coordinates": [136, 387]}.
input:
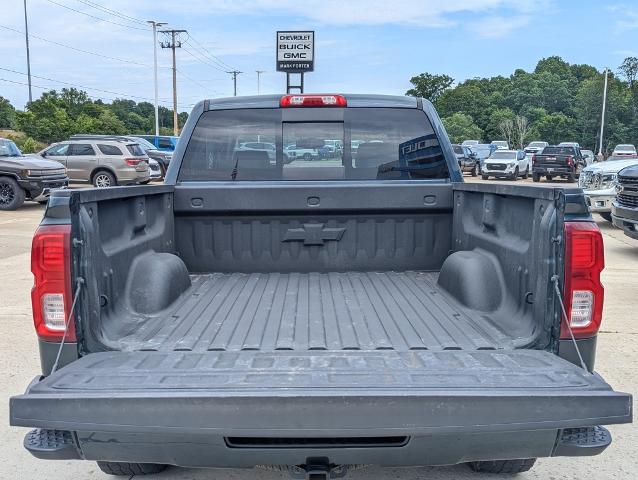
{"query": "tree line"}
{"type": "Point", "coordinates": [556, 102]}
{"type": "Point", "coordinates": [58, 114]}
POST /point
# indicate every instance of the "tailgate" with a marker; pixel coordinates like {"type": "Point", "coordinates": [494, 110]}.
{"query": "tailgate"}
{"type": "Point", "coordinates": [320, 392]}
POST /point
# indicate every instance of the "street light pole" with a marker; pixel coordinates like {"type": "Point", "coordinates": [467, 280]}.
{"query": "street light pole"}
{"type": "Point", "coordinates": [155, 25]}
{"type": "Point", "coordinates": [259, 72]}
{"type": "Point", "coordinates": [602, 122]}
{"type": "Point", "coordinates": [26, 34]}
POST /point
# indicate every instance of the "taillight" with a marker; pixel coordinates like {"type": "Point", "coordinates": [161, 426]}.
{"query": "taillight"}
{"type": "Point", "coordinates": [583, 294]}
{"type": "Point", "coordinates": [51, 293]}
{"type": "Point", "coordinates": [313, 101]}
{"type": "Point", "coordinates": [534, 159]}
{"type": "Point", "coordinates": [570, 160]}
{"type": "Point", "coordinates": [133, 162]}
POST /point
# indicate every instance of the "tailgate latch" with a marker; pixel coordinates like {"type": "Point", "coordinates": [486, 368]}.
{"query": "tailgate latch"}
{"type": "Point", "coordinates": [313, 234]}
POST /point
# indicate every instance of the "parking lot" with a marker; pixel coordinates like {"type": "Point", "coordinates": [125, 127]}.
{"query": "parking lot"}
{"type": "Point", "coordinates": [617, 362]}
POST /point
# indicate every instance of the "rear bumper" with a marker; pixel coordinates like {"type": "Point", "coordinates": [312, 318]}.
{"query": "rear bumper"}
{"type": "Point", "coordinates": [552, 170]}
{"type": "Point", "coordinates": [625, 219]}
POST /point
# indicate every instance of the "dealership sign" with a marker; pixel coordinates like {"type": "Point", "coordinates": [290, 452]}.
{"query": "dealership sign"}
{"type": "Point", "coordinates": [295, 52]}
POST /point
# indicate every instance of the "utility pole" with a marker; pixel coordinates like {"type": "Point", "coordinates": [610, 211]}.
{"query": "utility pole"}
{"type": "Point", "coordinates": [602, 122]}
{"type": "Point", "coordinates": [155, 25]}
{"type": "Point", "coordinates": [173, 42]}
{"type": "Point", "coordinates": [234, 73]}
{"type": "Point", "coordinates": [26, 34]}
{"type": "Point", "coordinates": [259, 72]}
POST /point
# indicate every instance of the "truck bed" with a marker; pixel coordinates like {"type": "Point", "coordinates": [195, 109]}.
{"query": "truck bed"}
{"type": "Point", "coordinates": [315, 311]}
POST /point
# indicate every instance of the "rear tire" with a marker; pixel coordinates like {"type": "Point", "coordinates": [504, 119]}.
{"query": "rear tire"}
{"type": "Point", "coordinates": [549, 178]}
{"type": "Point", "coordinates": [526, 174]}
{"type": "Point", "coordinates": [606, 216]}
{"type": "Point", "coordinates": [515, 175]}
{"type": "Point", "coordinates": [571, 178]}
{"type": "Point", "coordinates": [103, 179]}
{"type": "Point", "coordinates": [11, 194]}
{"type": "Point", "coordinates": [307, 157]}
{"type": "Point", "coordinates": [536, 177]}
{"type": "Point", "coordinates": [475, 170]}
{"type": "Point", "coordinates": [503, 466]}
{"type": "Point", "coordinates": [485, 177]}
{"type": "Point", "coordinates": [128, 469]}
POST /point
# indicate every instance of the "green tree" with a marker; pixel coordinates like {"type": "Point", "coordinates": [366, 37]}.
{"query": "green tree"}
{"type": "Point", "coordinates": [7, 113]}
{"type": "Point", "coordinates": [460, 126]}
{"type": "Point", "coordinates": [429, 86]}
{"type": "Point", "coordinates": [554, 128]}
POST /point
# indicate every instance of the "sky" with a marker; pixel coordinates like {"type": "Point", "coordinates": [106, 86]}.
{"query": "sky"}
{"type": "Point", "coordinates": [105, 48]}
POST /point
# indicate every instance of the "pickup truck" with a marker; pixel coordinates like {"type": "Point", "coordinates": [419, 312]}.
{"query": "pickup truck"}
{"type": "Point", "coordinates": [562, 161]}
{"type": "Point", "coordinates": [317, 315]}
{"type": "Point", "coordinates": [624, 210]}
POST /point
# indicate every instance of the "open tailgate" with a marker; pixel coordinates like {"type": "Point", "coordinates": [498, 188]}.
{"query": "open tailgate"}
{"type": "Point", "coordinates": [337, 393]}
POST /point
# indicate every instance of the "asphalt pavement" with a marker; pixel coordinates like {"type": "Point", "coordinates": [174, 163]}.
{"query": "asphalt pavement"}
{"type": "Point", "coordinates": [617, 361]}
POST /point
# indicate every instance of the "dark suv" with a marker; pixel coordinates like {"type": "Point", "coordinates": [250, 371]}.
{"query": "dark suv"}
{"type": "Point", "coordinates": [26, 178]}
{"type": "Point", "coordinates": [468, 160]}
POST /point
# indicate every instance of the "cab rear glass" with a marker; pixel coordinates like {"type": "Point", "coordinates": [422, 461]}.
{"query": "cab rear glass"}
{"type": "Point", "coordinates": [364, 145]}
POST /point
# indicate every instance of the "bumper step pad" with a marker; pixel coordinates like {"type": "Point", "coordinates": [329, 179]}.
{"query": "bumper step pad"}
{"type": "Point", "coordinates": [584, 441]}
{"type": "Point", "coordinates": [51, 444]}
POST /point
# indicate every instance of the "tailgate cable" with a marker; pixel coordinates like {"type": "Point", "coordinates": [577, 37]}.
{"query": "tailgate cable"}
{"type": "Point", "coordinates": [78, 286]}
{"type": "Point", "coordinates": [569, 327]}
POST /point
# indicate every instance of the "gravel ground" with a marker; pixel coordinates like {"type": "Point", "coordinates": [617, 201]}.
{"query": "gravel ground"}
{"type": "Point", "coordinates": [617, 362]}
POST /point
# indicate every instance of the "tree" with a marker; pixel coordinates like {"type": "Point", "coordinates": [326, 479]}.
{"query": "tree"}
{"type": "Point", "coordinates": [7, 113]}
{"type": "Point", "coordinates": [506, 127]}
{"type": "Point", "coordinates": [555, 128]}
{"type": "Point", "coordinates": [429, 86]}
{"type": "Point", "coordinates": [460, 126]}
{"type": "Point", "coordinates": [521, 129]}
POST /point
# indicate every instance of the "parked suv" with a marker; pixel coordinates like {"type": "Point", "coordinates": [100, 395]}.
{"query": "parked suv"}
{"type": "Point", "coordinates": [509, 164]}
{"type": "Point", "coordinates": [163, 159]}
{"type": "Point", "coordinates": [26, 178]}
{"type": "Point", "coordinates": [102, 162]}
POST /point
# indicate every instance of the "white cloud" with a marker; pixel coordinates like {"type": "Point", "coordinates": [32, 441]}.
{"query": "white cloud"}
{"type": "Point", "coordinates": [498, 27]}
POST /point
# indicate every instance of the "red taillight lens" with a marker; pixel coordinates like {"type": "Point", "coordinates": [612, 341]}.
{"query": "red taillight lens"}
{"type": "Point", "coordinates": [288, 101]}
{"type": "Point", "coordinates": [570, 160]}
{"type": "Point", "coordinates": [133, 162]}
{"type": "Point", "coordinates": [51, 293]}
{"type": "Point", "coordinates": [534, 160]}
{"type": "Point", "coordinates": [583, 294]}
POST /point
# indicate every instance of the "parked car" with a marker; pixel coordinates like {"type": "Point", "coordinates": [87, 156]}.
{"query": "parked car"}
{"type": "Point", "coordinates": [291, 152]}
{"type": "Point", "coordinates": [509, 164]}
{"type": "Point", "coordinates": [104, 163]}
{"type": "Point", "coordinates": [26, 177]}
{"type": "Point", "coordinates": [289, 317]}
{"type": "Point", "coordinates": [155, 169]}
{"type": "Point", "coordinates": [535, 147]}
{"type": "Point", "coordinates": [624, 209]}
{"type": "Point", "coordinates": [500, 144]}
{"type": "Point", "coordinates": [163, 158]}
{"type": "Point", "coordinates": [334, 148]}
{"type": "Point", "coordinates": [589, 157]}
{"type": "Point", "coordinates": [470, 143]}
{"type": "Point", "coordinates": [267, 147]}
{"type": "Point", "coordinates": [624, 150]}
{"type": "Point", "coordinates": [598, 182]}
{"type": "Point", "coordinates": [569, 144]}
{"type": "Point", "coordinates": [562, 161]}
{"type": "Point", "coordinates": [164, 143]}
{"type": "Point", "coordinates": [468, 161]}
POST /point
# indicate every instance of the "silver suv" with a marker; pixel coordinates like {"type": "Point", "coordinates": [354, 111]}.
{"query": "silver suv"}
{"type": "Point", "coordinates": [104, 163]}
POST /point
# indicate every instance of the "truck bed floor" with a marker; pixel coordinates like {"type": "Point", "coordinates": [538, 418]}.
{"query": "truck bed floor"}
{"type": "Point", "coordinates": [316, 311]}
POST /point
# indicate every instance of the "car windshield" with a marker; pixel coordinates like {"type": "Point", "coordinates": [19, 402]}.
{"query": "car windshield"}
{"type": "Point", "coordinates": [628, 148]}
{"type": "Point", "coordinates": [9, 149]}
{"type": "Point", "coordinates": [536, 144]}
{"type": "Point", "coordinates": [558, 151]}
{"type": "Point", "coordinates": [384, 144]}
{"type": "Point", "coordinates": [500, 155]}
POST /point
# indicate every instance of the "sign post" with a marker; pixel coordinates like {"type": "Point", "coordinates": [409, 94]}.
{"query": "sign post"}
{"type": "Point", "coordinates": [295, 55]}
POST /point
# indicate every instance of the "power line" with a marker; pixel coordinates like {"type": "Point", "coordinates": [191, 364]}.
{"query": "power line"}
{"type": "Point", "coordinates": [207, 54]}
{"type": "Point", "coordinates": [96, 17]}
{"type": "Point", "coordinates": [115, 13]}
{"type": "Point", "coordinates": [173, 42]}
{"type": "Point", "coordinates": [88, 52]}
{"type": "Point", "coordinates": [200, 59]}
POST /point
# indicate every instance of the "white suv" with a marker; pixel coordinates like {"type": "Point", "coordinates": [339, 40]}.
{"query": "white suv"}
{"type": "Point", "coordinates": [509, 164]}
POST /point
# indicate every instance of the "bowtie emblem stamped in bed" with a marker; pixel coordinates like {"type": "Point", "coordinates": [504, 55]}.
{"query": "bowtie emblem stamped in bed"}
{"type": "Point", "coordinates": [313, 234]}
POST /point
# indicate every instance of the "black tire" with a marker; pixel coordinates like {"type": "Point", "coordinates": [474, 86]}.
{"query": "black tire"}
{"type": "Point", "coordinates": [571, 178]}
{"type": "Point", "coordinates": [43, 202]}
{"type": "Point", "coordinates": [103, 179]}
{"type": "Point", "coordinates": [536, 177]}
{"type": "Point", "coordinates": [11, 194]}
{"type": "Point", "coordinates": [307, 157]}
{"type": "Point", "coordinates": [145, 182]}
{"type": "Point", "coordinates": [503, 466]}
{"type": "Point", "coordinates": [515, 175]}
{"type": "Point", "coordinates": [606, 216]}
{"type": "Point", "coordinates": [549, 178]}
{"type": "Point", "coordinates": [485, 177]}
{"type": "Point", "coordinates": [476, 170]}
{"type": "Point", "coordinates": [128, 469]}
{"type": "Point", "coordinates": [526, 174]}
